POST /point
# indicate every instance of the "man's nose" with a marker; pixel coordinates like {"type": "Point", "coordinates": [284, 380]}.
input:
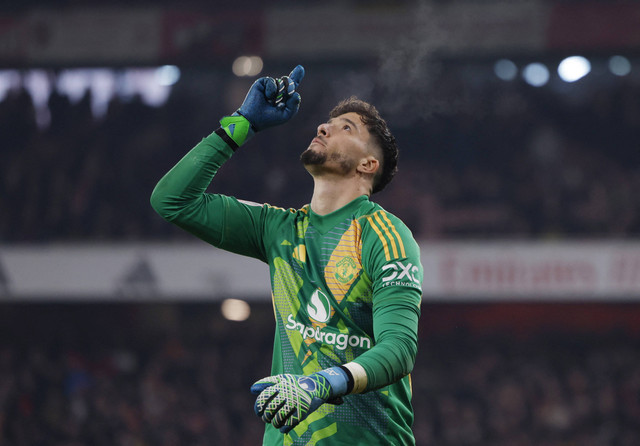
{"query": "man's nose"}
{"type": "Point", "coordinates": [323, 129]}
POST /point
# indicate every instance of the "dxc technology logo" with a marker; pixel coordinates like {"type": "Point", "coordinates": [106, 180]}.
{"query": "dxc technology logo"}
{"type": "Point", "coordinates": [400, 274]}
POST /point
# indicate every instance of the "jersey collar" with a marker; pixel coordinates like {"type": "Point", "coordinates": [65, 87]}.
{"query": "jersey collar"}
{"type": "Point", "coordinates": [324, 223]}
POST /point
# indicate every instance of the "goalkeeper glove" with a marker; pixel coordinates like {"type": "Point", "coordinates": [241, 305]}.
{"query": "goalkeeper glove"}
{"type": "Point", "coordinates": [268, 103]}
{"type": "Point", "coordinates": [285, 400]}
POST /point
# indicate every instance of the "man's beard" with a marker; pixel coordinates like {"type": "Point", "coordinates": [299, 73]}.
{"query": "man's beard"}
{"type": "Point", "coordinates": [312, 158]}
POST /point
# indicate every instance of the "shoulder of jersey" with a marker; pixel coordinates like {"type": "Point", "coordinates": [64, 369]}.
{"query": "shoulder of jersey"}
{"type": "Point", "coordinates": [387, 229]}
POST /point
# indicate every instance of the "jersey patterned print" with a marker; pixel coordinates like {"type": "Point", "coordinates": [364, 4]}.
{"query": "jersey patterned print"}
{"type": "Point", "coordinates": [322, 297]}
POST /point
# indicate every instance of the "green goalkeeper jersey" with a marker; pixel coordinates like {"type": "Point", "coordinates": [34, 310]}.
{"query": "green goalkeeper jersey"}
{"type": "Point", "coordinates": [345, 286]}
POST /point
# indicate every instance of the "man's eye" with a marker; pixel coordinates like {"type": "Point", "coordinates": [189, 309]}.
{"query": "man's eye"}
{"type": "Point", "coordinates": [347, 127]}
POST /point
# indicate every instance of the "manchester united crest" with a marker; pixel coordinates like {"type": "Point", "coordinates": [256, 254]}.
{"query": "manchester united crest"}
{"type": "Point", "coordinates": [346, 270]}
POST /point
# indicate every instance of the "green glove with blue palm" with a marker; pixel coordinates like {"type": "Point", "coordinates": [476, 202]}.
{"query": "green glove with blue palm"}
{"type": "Point", "coordinates": [285, 400]}
{"type": "Point", "coordinates": [268, 103]}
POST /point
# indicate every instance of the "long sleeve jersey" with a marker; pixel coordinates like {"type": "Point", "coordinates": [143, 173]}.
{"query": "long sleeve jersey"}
{"type": "Point", "coordinates": [346, 286]}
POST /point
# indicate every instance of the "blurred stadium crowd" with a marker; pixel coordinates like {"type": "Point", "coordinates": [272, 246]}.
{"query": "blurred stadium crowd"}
{"type": "Point", "coordinates": [179, 375]}
{"type": "Point", "coordinates": [488, 159]}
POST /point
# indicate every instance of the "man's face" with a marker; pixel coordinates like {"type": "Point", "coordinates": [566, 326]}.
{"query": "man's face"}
{"type": "Point", "coordinates": [339, 146]}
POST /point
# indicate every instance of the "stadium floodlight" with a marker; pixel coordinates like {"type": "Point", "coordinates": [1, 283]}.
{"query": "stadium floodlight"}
{"type": "Point", "coordinates": [619, 65]}
{"type": "Point", "coordinates": [505, 69]}
{"type": "Point", "coordinates": [235, 310]}
{"type": "Point", "coordinates": [536, 74]}
{"type": "Point", "coordinates": [574, 68]}
{"type": "Point", "coordinates": [9, 80]}
{"type": "Point", "coordinates": [247, 66]}
{"type": "Point", "coordinates": [167, 75]}
{"type": "Point", "coordinates": [37, 82]}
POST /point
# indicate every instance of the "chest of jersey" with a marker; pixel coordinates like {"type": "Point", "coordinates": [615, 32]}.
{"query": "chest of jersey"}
{"type": "Point", "coordinates": [320, 287]}
{"type": "Point", "coordinates": [328, 260]}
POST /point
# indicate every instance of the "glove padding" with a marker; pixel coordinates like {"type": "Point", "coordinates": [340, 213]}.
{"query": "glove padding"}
{"type": "Point", "coordinates": [285, 400]}
{"type": "Point", "coordinates": [272, 102]}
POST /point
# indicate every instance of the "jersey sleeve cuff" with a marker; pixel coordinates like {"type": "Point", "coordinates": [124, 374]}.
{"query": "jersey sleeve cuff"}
{"type": "Point", "coordinates": [226, 138]}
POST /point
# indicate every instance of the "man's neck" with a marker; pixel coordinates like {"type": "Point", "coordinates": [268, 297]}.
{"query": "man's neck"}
{"type": "Point", "coordinates": [329, 196]}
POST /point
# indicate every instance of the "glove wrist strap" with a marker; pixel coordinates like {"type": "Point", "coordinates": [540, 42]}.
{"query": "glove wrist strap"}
{"type": "Point", "coordinates": [341, 382]}
{"type": "Point", "coordinates": [235, 130]}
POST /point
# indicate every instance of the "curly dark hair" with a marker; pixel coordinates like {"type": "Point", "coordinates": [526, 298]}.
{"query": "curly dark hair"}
{"type": "Point", "coordinates": [380, 131]}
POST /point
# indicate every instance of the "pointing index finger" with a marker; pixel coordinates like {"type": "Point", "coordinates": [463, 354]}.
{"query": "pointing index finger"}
{"type": "Point", "coordinates": [297, 74]}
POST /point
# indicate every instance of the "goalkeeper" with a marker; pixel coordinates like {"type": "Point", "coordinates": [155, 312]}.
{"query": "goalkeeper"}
{"type": "Point", "coordinates": [345, 274]}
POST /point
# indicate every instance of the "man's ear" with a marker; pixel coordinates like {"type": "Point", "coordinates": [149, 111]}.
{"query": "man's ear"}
{"type": "Point", "coordinates": [368, 165]}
